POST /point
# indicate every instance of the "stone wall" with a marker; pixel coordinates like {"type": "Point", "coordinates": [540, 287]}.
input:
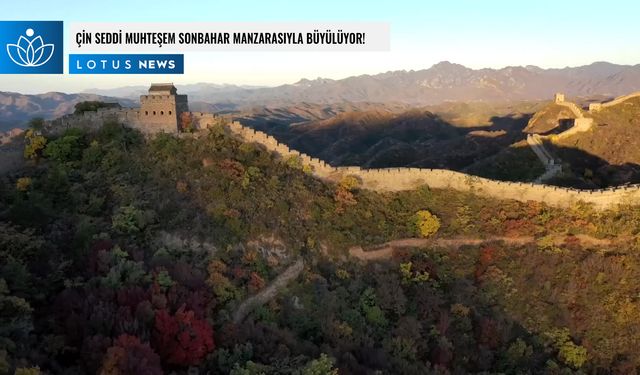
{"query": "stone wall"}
{"type": "Point", "coordinates": [91, 120]}
{"type": "Point", "coordinates": [595, 107]}
{"type": "Point", "coordinates": [386, 179]}
{"type": "Point", "coordinates": [145, 122]}
{"type": "Point", "coordinates": [582, 124]}
{"type": "Point", "coordinates": [535, 142]}
{"type": "Point", "coordinates": [552, 165]}
{"type": "Point", "coordinates": [398, 179]}
{"type": "Point", "coordinates": [202, 120]}
{"type": "Point", "coordinates": [130, 117]}
{"type": "Point", "coordinates": [573, 107]}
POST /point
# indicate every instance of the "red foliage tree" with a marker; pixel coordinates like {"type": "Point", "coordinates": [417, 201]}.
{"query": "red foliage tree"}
{"type": "Point", "coordinates": [182, 339]}
{"type": "Point", "coordinates": [486, 258]}
{"type": "Point", "coordinates": [256, 283]}
{"type": "Point", "coordinates": [231, 169]}
{"type": "Point", "coordinates": [186, 122]}
{"type": "Point", "coordinates": [239, 273]}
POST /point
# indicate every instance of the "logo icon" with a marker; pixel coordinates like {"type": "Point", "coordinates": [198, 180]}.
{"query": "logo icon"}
{"type": "Point", "coordinates": [30, 52]}
{"type": "Point", "coordinates": [31, 47]}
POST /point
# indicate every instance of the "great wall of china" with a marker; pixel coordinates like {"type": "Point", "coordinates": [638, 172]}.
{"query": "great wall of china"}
{"type": "Point", "coordinates": [128, 116]}
{"type": "Point", "coordinates": [398, 179]}
{"type": "Point", "coordinates": [552, 165]}
{"type": "Point", "coordinates": [581, 123]}
{"type": "Point", "coordinates": [595, 107]}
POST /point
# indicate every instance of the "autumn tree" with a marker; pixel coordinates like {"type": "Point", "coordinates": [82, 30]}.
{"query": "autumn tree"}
{"type": "Point", "coordinates": [343, 195]}
{"type": "Point", "coordinates": [23, 183]}
{"type": "Point", "coordinates": [568, 352]}
{"type": "Point", "coordinates": [320, 366]}
{"type": "Point", "coordinates": [182, 339]}
{"type": "Point", "coordinates": [34, 144]}
{"type": "Point", "coordinates": [186, 122]}
{"type": "Point", "coordinates": [426, 223]}
{"type": "Point", "coordinates": [130, 356]}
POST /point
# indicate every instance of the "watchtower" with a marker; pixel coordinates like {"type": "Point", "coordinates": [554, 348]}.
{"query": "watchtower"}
{"type": "Point", "coordinates": [160, 110]}
{"type": "Point", "coordinates": [558, 98]}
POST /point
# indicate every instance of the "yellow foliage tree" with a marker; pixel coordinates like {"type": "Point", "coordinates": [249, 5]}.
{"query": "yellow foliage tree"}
{"type": "Point", "coordinates": [343, 195]}
{"type": "Point", "coordinates": [23, 183]}
{"type": "Point", "coordinates": [427, 224]}
{"type": "Point", "coordinates": [568, 352]}
{"type": "Point", "coordinates": [349, 182]}
{"type": "Point", "coordinates": [34, 144]}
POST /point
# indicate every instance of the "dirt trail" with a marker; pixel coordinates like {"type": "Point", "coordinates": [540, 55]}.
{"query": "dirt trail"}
{"type": "Point", "coordinates": [269, 292]}
{"type": "Point", "coordinates": [385, 250]}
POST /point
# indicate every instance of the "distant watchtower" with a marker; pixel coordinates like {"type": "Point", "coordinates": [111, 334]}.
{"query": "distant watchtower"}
{"type": "Point", "coordinates": [160, 110]}
{"type": "Point", "coordinates": [558, 98]}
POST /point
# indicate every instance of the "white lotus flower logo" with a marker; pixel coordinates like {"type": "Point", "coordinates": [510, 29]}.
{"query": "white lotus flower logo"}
{"type": "Point", "coordinates": [30, 52]}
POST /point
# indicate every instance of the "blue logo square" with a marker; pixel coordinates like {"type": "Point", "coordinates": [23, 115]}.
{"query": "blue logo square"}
{"type": "Point", "coordinates": [31, 47]}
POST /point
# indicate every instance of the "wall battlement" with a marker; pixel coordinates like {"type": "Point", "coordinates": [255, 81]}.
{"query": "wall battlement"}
{"type": "Point", "coordinates": [581, 123]}
{"type": "Point", "coordinates": [384, 179]}
{"type": "Point", "coordinates": [573, 107]}
{"type": "Point", "coordinates": [131, 117]}
{"type": "Point", "coordinates": [595, 107]}
{"type": "Point", "coordinates": [162, 110]}
{"type": "Point", "coordinates": [398, 179]}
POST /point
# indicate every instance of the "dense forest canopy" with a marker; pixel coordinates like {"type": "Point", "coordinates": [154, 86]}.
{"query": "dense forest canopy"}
{"type": "Point", "coordinates": [126, 255]}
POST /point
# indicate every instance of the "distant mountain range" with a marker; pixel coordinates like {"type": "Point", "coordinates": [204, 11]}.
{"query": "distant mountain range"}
{"type": "Point", "coordinates": [443, 82]}
{"type": "Point", "coordinates": [452, 82]}
{"type": "Point", "coordinates": [196, 91]}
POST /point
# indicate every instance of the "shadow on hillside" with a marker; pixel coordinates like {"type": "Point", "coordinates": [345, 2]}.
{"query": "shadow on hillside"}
{"type": "Point", "coordinates": [582, 169]}
{"type": "Point", "coordinates": [422, 139]}
{"type": "Point", "coordinates": [564, 124]}
{"type": "Point", "coordinates": [515, 163]}
{"type": "Point", "coordinates": [411, 139]}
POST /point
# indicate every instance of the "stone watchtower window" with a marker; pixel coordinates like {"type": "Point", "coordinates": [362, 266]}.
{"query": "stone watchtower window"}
{"type": "Point", "coordinates": [146, 113]}
{"type": "Point", "coordinates": [161, 113]}
{"type": "Point", "coordinates": [154, 113]}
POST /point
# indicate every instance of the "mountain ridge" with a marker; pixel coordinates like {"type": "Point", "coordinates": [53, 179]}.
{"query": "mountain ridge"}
{"type": "Point", "coordinates": [441, 83]}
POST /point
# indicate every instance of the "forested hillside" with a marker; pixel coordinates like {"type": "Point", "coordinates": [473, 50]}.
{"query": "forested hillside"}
{"type": "Point", "coordinates": [126, 255]}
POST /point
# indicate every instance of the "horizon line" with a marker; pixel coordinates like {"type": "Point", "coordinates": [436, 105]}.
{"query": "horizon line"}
{"type": "Point", "coordinates": [252, 86]}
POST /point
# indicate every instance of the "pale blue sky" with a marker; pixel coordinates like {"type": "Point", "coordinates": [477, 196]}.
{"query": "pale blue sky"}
{"type": "Point", "coordinates": [473, 33]}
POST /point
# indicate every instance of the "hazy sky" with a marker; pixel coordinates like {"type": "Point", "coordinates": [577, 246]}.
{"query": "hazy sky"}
{"type": "Point", "coordinates": [473, 33]}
